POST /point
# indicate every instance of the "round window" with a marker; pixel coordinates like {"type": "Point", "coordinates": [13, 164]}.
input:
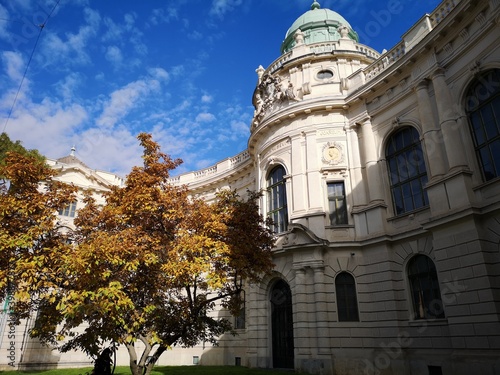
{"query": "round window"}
{"type": "Point", "coordinates": [324, 74]}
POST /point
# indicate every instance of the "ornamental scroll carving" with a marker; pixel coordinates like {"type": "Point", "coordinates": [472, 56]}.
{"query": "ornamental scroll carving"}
{"type": "Point", "coordinates": [272, 90]}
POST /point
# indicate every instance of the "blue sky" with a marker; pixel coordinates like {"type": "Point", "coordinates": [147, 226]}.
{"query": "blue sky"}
{"type": "Point", "coordinates": [184, 70]}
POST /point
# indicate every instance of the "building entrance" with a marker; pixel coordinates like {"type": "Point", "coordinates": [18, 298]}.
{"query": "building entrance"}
{"type": "Point", "coordinates": [282, 325]}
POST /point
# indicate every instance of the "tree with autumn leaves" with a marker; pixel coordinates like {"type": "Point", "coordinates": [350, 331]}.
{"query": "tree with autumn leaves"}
{"type": "Point", "coordinates": [30, 237]}
{"type": "Point", "coordinates": [152, 265]}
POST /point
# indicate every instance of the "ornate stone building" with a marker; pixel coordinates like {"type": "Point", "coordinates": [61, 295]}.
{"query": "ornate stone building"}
{"type": "Point", "coordinates": [382, 175]}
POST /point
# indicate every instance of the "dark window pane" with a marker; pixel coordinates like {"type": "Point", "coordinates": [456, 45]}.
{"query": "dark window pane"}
{"type": "Point", "coordinates": [417, 192]}
{"type": "Point", "coordinates": [489, 171]}
{"type": "Point", "coordinates": [495, 155]}
{"type": "Point", "coordinates": [418, 161]}
{"type": "Point", "coordinates": [425, 293]}
{"type": "Point", "coordinates": [276, 193]}
{"type": "Point", "coordinates": [398, 200]}
{"type": "Point", "coordinates": [483, 106]}
{"type": "Point", "coordinates": [407, 172]}
{"type": "Point", "coordinates": [489, 122]}
{"type": "Point", "coordinates": [477, 128]}
{"type": "Point", "coordinates": [496, 110]}
{"type": "Point", "coordinates": [347, 304]}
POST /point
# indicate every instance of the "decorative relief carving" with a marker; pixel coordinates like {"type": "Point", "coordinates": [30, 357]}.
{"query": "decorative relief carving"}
{"type": "Point", "coordinates": [280, 145]}
{"type": "Point", "coordinates": [336, 173]}
{"type": "Point", "coordinates": [270, 90]}
{"type": "Point", "coordinates": [333, 153]}
{"type": "Point", "coordinates": [481, 18]}
{"type": "Point", "coordinates": [448, 48]}
{"type": "Point", "coordinates": [299, 37]}
{"type": "Point", "coordinates": [474, 67]}
{"type": "Point", "coordinates": [464, 34]}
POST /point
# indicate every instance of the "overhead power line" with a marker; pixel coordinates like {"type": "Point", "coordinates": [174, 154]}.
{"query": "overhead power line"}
{"type": "Point", "coordinates": [41, 27]}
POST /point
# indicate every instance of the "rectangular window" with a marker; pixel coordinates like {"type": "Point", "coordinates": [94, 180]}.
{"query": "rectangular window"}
{"type": "Point", "coordinates": [276, 190]}
{"type": "Point", "coordinates": [69, 210]}
{"type": "Point", "coordinates": [239, 320]}
{"type": "Point", "coordinates": [337, 203]}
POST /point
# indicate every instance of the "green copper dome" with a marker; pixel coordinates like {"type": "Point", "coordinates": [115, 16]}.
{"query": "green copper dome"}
{"type": "Point", "coordinates": [317, 25]}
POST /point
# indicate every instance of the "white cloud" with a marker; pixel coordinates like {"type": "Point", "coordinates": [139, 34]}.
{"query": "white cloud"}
{"type": "Point", "coordinates": [195, 35]}
{"type": "Point", "coordinates": [129, 19]}
{"type": "Point", "coordinates": [14, 65]}
{"type": "Point", "coordinates": [206, 98]}
{"type": "Point", "coordinates": [115, 150]}
{"type": "Point", "coordinates": [4, 15]}
{"type": "Point", "coordinates": [159, 73]}
{"type": "Point", "coordinates": [123, 100]}
{"type": "Point", "coordinates": [161, 15]}
{"type": "Point", "coordinates": [220, 7]}
{"type": "Point", "coordinates": [47, 126]}
{"type": "Point", "coordinates": [114, 31]}
{"type": "Point", "coordinates": [68, 86]}
{"type": "Point", "coordinates": [239, 129]}
{"type": "Point", "coordinates": [72, 48]}
{"type": "Point", "coordinates": [205, 117]}
{"type": "Point", "coordinates": [114, 55]}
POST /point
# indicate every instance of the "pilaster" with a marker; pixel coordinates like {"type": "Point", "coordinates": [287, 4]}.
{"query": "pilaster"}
{"type": "Point", "coordinates": [453, 142]}
{"type": "Point", "coordinates": [375, 191]}
{"type": "Point", "coordinates": [432, 137]}
{"type": "Point", "coordinates": [358, 183]}
{"type": "Point", "coordinates": [301, 314]}
{"type": "Point", "coordinates": [322, 323]}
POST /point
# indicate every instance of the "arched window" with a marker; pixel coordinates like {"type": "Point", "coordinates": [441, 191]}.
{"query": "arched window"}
{"type": "Point", "coordinates": [276, 198]}
{"type": "Point", "coordinates": [424, 286]}
{"type": "Point", "coordinates": [347, 302]}
{"type": "Point", "coordinates": [407, 172]}
{"type": "Point", "coordinates": [483, 111]}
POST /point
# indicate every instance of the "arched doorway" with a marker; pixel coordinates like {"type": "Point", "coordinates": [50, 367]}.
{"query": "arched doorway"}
{"type": "Point", "coordinates": [282, 325]}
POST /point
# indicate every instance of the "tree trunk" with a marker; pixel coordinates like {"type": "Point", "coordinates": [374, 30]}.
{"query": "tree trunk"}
{"type": "Point", "coordinates": [134, 366]}
{"type": "Point", "coordinates": [149, 367]}
{"type": "Point", "coordinates": [144, 366]}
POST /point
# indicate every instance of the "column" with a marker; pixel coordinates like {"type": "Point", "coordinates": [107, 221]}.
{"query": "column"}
{"type": "Point", "coordinates": [448, 121]}
{"type": "Point", "coordinates": [432, 137]}
{"type": "Point", "coordinates": [370, 162]}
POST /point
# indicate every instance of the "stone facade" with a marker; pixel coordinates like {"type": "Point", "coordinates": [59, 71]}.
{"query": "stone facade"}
{"type": "Point", "coordinates": [382, 174]}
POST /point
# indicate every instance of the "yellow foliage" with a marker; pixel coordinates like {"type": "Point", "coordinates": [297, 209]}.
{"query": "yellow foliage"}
{"type": "Point", "coordinates": [149, 264]}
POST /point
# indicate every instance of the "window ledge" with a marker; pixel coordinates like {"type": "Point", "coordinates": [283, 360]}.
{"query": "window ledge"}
{"type": "Point", "coordinates": [408, 214]}
{"type": "Point", "coordinates": [427, 322]}
{"type": "Point", "coordinates": [493, 181]}
{"type": "Point", "coordinates": [342, 226]}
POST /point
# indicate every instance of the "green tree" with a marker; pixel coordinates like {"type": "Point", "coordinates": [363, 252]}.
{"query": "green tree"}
{"type": "Point", "coordinates": [153, 265]}
{"type": "Point", "coordinates": [7, 145]}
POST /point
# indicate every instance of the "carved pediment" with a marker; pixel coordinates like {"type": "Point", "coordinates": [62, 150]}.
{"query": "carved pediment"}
{"type": "Point", "coordinates": [298, 235]}
{"type": "Point", "coordinates": [81, 176]}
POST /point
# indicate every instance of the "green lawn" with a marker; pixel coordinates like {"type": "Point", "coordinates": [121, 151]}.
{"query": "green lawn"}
{"type": "Point", "coordinates": [162, 370]}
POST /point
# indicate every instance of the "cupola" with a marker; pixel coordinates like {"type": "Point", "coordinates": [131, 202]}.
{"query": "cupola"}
{"type": "Point", "coordinates": [318, 25]}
